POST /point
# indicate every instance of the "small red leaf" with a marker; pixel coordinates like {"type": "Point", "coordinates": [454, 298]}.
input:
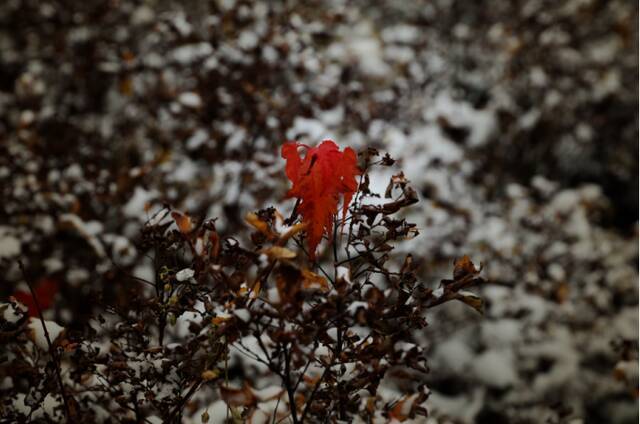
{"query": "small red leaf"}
{"type": "Point", "coordinates": [45, 289]}
{"type": "Point", "coordinates": [318, 180]}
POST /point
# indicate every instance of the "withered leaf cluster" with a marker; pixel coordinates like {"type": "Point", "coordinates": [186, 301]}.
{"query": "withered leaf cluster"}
{"type": "Point", "coordinates": [255, 323]}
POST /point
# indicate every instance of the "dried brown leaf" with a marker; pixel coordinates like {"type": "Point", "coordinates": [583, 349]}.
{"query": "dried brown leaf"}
{"type": "Point", "coordinates": [260, 225]}
{"type": "Point", "coordinates": [278, 253]}
{"type": "Point", "coordinates": [183, 221]}
{"type": "Point", "coordinates": [238, 397]}
{"type": "Point", "coordinates": [472, 300]}
{"type": "Point", "coordinates": [313, 281]}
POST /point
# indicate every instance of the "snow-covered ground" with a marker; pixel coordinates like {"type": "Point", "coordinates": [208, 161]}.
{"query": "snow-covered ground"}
{"type": "Point", "coordinates": [516, 122]}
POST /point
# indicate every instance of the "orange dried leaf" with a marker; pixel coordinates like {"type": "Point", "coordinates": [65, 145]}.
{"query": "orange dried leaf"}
{"type": "Point", "coordinates": [472, 300]}
{"type": "Point", "coordinates": [255, 291]}
{"type": "Point", "coordinates": [68, 346]}
{"type": "Point", "coordinates": [301, 226]}
{"type": "Point", "coordinates": [562, 293]}
{"type": "Point", "coordinates": [318, 181]}
{"type": "Point", "coordinates": [404, 408]}
{"type": "Point", "coordinates": [126, 86]}
{"type": "Point", "coordinates": [260, 225]}
{"type": "Point", "coordinates": [371, 405]}
{"type": "Point", "coordinates": [238, 397]}
{"type": "Point", "coordinates": [311, 380]}
{"type": "Point", "coordinates": [463, 267]}
{"type": "Point", "coordinates": [277, 252]}
{"type": "Point", "coordinates": [217, 320]}
{"type": "Point", "coordinates": [183, 221]}
{"type": "Point", "coordinates": [209, 375]}
{"type": "Point", "coordinates": [313, 281]}
{"type": "Point", "coordinates": [214, 242]}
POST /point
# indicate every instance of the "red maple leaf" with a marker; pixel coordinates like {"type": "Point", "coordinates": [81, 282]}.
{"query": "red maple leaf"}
{"type": "Point", "coordinates": [45, 289]}
{"type": "Point", "coordinates": [318, 180]}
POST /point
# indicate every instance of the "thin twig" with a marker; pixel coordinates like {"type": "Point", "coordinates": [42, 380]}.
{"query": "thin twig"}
{"type": "Point", "coordinates": [313, 392]}
{"type": "Point", "coordinates": [301, 246]}
{"type": "Point", "coordinates": [275, 411]}
{"type": "Point", "coordinates": [288, 386]}
{"type": "Point", "coordinates": [52, 351]}
{"type": "Point", "coordinates": [178, 408]}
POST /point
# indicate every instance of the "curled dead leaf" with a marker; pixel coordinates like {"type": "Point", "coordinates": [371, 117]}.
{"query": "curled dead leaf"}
{"type": "Point", "coordinates": [214, 242]}
{"type": "Point", "coordinates": [463, 267]}
{"type": "Point", "coordinates": [209, 375]}
{"type": "Point", "coordinates": [398, 180]}
{"type": "Point", "coordinates": [220, 319]}
{"type": "Point", "coordinates": [299, 227]}
{"type": "Point", "coordinates": [255, 291]}
{"type": "Point", "coordinates": [260, 225]}
{"type": "Point", "coordinates": [238, 397]}
{"type": "Point", "coordinates": [311, 380]}
{"type": "Point", "coordinates": [562, 293]}
{"type": "Point", "coordinates": [313, 281]}
{"type": "Point", "coordinates": [278, 253]}
{"type": "Point", "coordinates": [183, 221]}
{"type": "Point", "coordinates": [472, 300]}
{"type": "Point", "coordinates": [404, 408]}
